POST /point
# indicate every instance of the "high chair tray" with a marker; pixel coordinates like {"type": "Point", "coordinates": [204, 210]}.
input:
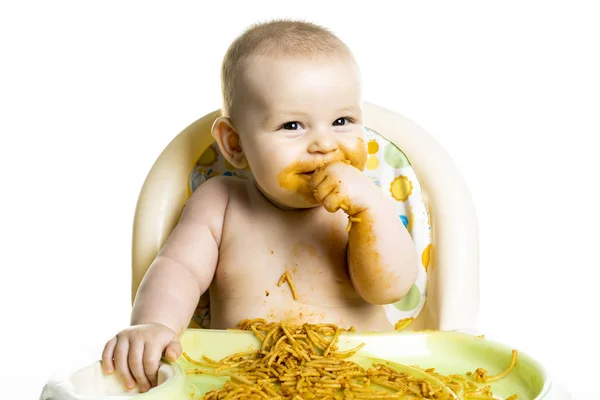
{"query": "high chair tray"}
{"type": "Point", "coordinates": [447, 352]}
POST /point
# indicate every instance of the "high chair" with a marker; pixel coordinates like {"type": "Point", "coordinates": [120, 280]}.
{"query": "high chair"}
{"type": "Point", "coordinates": [406, 162]}
{"type": "Point", "coordinates": [434, 205]}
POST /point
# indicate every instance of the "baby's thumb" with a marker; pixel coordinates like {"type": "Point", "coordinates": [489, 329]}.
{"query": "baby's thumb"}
{"type": "Point", "coordinates": [173, 350]}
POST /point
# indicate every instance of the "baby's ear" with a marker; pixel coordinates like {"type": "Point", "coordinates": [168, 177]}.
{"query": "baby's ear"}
{"type": "Point", "coordinates": [229, 142]}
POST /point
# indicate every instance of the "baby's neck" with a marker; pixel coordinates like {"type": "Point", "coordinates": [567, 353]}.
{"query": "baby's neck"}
{"type": "Point", "coordinates": [274, 202]}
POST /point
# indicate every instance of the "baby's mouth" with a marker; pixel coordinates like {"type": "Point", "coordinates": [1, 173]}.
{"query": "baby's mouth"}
{"type": "Point", "coordinates": [308, 171]}
{"type": "Point", "coordinates": [306, 175]}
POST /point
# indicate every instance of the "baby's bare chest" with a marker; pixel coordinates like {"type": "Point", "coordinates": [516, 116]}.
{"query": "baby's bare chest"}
{"type": "Point", "coordinates": [259, 246]}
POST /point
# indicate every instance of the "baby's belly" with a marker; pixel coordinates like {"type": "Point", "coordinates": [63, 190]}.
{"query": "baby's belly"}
{"type": "Point", "coordinates": [227, 313]}
{"type": "Point", "coordinates": [245, 284]}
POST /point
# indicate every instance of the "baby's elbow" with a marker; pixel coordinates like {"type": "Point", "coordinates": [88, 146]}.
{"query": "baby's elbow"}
{"type": "Point", "coordinates": [399, 287]}
{"type": "Point", "coordinates": [400, 291]}
{"type": "Point", "coordinates": [392, 292]}
{"type": "Point", "coordinates": [380, 300]}
{"type": "Point", "coordinates": [390, 296]}
{"type": "Point", "coordinates": [384, 297]}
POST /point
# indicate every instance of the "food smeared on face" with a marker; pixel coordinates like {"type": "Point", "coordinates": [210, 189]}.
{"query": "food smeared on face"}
{"type": "Point", "coordinates": [297, 176]}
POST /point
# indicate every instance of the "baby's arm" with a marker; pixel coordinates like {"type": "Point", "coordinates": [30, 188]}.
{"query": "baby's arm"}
{"type": "Point", "coordinates": [171, 289]}
{"type": "Point", "coordinates": [184, 267]}
{"type": "Point", "coordinates": [382, 259]}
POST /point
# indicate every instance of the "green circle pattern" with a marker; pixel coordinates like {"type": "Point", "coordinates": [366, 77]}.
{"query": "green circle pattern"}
{"type": "Point", "coordinates": [394, 157]}
{"type": "Point", "coordinates": [410, 301]}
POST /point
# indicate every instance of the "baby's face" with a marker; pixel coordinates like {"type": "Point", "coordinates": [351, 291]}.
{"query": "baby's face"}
{"type": "Point", "coordinates": [297, 115]}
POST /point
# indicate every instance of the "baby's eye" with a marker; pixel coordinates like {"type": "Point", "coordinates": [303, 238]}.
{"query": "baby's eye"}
{"type": "Point", "coordinates": [341, 121]}
{"type": "Point", "coordinates": [291, 126]}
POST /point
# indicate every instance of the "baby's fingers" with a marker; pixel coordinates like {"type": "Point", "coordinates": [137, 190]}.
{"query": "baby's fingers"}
{"type": "Point", "coordinates": [317, 178]}
{"type": "Point", "coordinates": [328, 194]}
{"type": "Point", "coordinates": [152, 354]}
{"type": "Point", "coordinates": [173, 350]}
{"type": "Point", "coordinates": [325, 188]}
{"type": "Point", "coordinates": [121, 363]}
{"type": "Point", "coordinates": [107, 356]}
{"type": "Point", "coordinates": [332, 202]}
{"type": "Point", "coordinates": [136, 365]}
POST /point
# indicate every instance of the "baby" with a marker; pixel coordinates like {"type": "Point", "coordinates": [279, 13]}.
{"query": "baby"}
{"type": "Point", "coordinates": [292, 114]}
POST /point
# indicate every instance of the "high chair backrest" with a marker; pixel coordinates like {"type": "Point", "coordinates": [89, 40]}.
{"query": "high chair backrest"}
{"type": "Point", "coordinates": [432, 201]}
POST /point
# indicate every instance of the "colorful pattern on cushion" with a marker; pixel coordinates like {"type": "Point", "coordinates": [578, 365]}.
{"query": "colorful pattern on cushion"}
{"type": "Point", "coordinates": [389, 169]}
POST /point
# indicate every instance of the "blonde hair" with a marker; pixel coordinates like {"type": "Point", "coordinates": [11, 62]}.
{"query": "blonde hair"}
{"type": "Point", "coordinates": [277, 38]}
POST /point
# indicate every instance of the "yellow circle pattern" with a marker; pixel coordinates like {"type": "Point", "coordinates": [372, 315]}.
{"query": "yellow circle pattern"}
{"type": "Point", "coordinates": [372, 147]}
{"type": "Point", "coordinates": [426, 256]}
{"type": "Point", "coordinates": [372, 163]}
{"type": "Point", "coordinates": [403, 323]}
{"type": "Point", "coordinates": [209, 157]}
{"type": "Point", "coordinates": [401, 188]}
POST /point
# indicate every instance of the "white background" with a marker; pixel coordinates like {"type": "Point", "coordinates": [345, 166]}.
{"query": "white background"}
{"type": "Point", "coordinates": [90, 93]}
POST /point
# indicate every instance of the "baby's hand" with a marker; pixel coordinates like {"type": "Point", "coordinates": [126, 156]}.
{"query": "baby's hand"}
{"type": "Point", "coordinates": [342, 186]}
{"type": "Point", "coordinates": [137, 351]}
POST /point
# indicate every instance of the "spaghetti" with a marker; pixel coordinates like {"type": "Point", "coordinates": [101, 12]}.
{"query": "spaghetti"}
{"type": "Point", "coordinates": [481, 375]}
{"type": "Point", "coordinates": [299, 362]}
{"type": "Point", "coordinates": [350, 221]}
{"type": "Point", "coordinates": [286, 277]}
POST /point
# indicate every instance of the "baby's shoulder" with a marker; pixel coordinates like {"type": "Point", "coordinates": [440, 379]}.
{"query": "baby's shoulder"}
{"type": "Point", "coordinates": [209, 203]}
{"type": "Point", "coordinates": [217, 192]}
{"type": "Point", "coordinates": [214, 193]}
{"type": "Point", "coordinates": [218, 186]}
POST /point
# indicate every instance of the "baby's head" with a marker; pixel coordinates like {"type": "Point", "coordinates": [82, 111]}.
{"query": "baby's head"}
{"type": "Point", "coordinates": [292, 101]}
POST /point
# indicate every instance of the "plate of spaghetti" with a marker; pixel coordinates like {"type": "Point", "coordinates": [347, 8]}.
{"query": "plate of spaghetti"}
{"type": "Point", "coordinates": [262, 360]}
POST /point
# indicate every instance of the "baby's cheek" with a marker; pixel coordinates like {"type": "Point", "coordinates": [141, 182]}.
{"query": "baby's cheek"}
{"type": "Point", "coordinates": [357, 155]}
{"type": "Point", "coordinates": [289, 180]}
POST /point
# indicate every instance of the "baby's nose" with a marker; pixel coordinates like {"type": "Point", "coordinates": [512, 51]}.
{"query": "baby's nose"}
{"type": "Point", "coordinates": [322, 144]}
